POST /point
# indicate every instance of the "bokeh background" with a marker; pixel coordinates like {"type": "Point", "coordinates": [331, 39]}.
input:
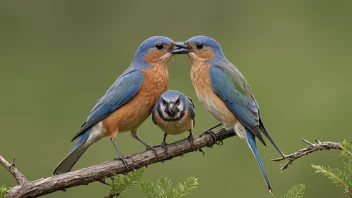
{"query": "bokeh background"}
{"type": "Point", "coordinates": [58, 57]}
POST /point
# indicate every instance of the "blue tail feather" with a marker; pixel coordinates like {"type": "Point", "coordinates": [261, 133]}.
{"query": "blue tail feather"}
{"type": "Point", "coordinates": [76, 152]}
{"type": "Point", "coordinates": [252, 145]}
{"type": "Point", "coordinates": [82, 139]}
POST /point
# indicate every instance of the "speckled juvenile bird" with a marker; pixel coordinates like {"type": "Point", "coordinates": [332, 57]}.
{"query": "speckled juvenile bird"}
{"type": "Point", "coordinates": [174, 114]}
{"type": "Point", "coordinates": [129, 100]}
{"type": "Point", "coordinates": [225, 93]}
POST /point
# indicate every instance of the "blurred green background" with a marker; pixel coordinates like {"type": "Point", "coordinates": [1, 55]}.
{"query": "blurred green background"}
{"type": "Point", "coordinates": [58, 57]}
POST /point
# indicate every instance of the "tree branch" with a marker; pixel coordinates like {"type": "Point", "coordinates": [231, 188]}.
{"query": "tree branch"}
{"type": "Point", "coordinates": [102, 171]}
{"type": "Point", "coordinates": [20, 179]}
{"type": "Point", "coordinates": [312, 147]}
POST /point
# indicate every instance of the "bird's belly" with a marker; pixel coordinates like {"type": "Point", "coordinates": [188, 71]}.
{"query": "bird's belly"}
{"type": "Point", "coordinates": [129, 116]}
{"type": "Point", "coordinates": [216, 107]}
{"type": "Point", "coordinates": [174, 127]}
{"type": "Point", "coordinates": [212, 102]}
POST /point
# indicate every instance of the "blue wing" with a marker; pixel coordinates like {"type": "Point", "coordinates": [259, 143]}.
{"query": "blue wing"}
{"type": "Point", "coordinates": [190, 107]}
{"type": "Point", "coordinates": [234, 91]}
{"type": "Point", "coordinates": [122, 91]}
{"type": "Point", "coordinates": [154, 112]}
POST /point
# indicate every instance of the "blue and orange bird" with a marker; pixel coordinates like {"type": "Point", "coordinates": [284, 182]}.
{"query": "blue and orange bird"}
{"type": "Point", "coordinates": [129, 100]}
{"type": "Point", "coordinates": [174, 114]}
{"type": "Point", "coordinates": [225, 93]}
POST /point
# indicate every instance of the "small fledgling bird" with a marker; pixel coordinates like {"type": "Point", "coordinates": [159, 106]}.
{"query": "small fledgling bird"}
{"type": "Point", "coordinates": [128, 102]}
{"type": "Point", "coordinates": [225, 93]}
{"type": "Point", "coordinates": [174, 114]}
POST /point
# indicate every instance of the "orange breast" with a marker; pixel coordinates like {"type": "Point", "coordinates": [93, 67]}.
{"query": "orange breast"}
{"type": "Point", "coordinates": [131, 115]}
{"type": "Point", "coordinates": [175, 127]}
{"type": "Point", "coordinates": [212, 103]}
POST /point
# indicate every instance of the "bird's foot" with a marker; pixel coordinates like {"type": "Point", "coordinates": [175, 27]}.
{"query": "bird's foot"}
{"type": "Point", "coordinates": [122, 158]}
{"type": "Point", "coordinates": [164, 146]}
{"type": "Point", "coordinates": [220, 142]}
{"type": "Point", "coordinates": [213, 137]}
{"type": "Point", "coordinates": [149, 147]}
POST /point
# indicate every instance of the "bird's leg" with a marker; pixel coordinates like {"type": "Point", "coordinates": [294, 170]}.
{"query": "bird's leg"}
{"type": "Point", "coordinates": [119, 156]}
{"type": "Point", "coordinates": [212, 135]}
{"type": "Point", "coordinates": [149, 147]}
{"type": "Point", "coordinates": [164, 144]}
{"type": "Point", "coordinates": [210, 129]}
{"type": "Point", "coordinates": [190, 138]}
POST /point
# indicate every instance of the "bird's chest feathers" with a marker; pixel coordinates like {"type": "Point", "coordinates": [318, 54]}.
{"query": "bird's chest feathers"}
{"type": "Point", "coordinates": [154, 84]}
{"type": "Point", "coordinates": [134, 112]}
{"type": "Point", "coordinates": [212, 102]}
{"type": "Point", "coordinates": [175, 127]}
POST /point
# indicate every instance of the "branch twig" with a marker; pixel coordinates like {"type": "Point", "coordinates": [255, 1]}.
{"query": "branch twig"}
{"type": "Point", "coordinates": [20, 179]}
{"type": "Point", "coordinates": [101, 171]}
{"type": "Point", "coordinates": [112, 195]}
{"type": "Point", "coordinates": [312, 147]}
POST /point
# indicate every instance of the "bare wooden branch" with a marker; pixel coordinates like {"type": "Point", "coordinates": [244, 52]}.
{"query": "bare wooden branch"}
{"type": "Point", "coordinates": [101, 171]}
{"type": "Point", "coordinates": [318, 146]}
{"type": "Point", "coordinates": [20, 179]}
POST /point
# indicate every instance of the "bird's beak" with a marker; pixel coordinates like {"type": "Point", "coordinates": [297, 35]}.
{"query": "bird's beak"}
{"type": "Point", "coordinates": [171, 109]}
{"type": "Point", "coordinates": [180, 48]}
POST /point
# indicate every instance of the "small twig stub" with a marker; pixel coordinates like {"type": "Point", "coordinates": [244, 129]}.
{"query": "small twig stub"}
{"type": "Point", "coordinates": [20, 179]}
{"type": "Point", "coordinates": [318, 146]}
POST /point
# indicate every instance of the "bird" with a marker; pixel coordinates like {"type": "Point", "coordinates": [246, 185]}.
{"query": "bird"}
{"type": "Point", "coordinates": [225, 93]}
{"type": "Point", "coordinates": [174, 113]}
{"type": "Point", "coordinates": [129, 100]}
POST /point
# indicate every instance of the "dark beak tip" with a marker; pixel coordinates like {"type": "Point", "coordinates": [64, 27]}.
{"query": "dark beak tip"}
{"type": "Point", "coordinates": [180, 51]}
{"type": "Point", "coordinates": [180, 48]}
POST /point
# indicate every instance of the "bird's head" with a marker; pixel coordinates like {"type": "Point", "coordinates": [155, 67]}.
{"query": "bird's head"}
{"type": "Point", "coordinates": [202, 48]}
{"type": "Point", "coordinates": [171, 105]}
{"type": "Point", "coordinates": [156, 50]}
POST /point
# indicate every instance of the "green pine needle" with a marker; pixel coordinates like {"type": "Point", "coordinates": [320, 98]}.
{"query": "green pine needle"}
{"type": "Point", "coordinates": [348, 168]}
{"type": "Point", "coordinates": [296, 191]}
{"type": "Point", "coordinates": [347, 148]}
{"type": "Point", "coordinates": [184, 189]}
{"type": "Point", "coordinates": [337, 176]}
{"type": "Point", "coordinates": [3, 191]}
{"type": "Point", "coordinates": [121, 183]}
{"type": "Point", "coordinates": [165, 189]}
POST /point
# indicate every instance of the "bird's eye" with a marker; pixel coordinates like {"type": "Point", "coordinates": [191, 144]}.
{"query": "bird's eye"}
{"type": "Point", "coordinates": [177, 102]}
{"type": "Point", "coordinates": [159, 46]}
{"type": "Point", "coordinates": [163, 101]}
{"type": "Point", "coordinates": [200, 45]}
